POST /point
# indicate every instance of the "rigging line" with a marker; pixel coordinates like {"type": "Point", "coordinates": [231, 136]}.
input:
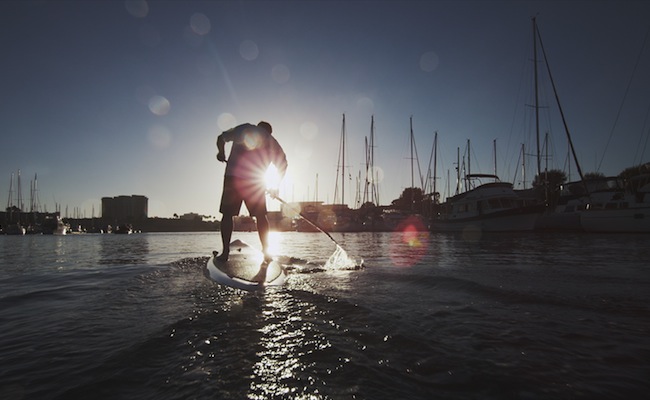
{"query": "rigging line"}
{"type": "Point", "coordinates": [417, 161]}
{"type": "Point", "coordinates": [564, 122]}
{"type": "Point", "coordinates": [426, 181]}
{"type": "Point", "coordinates": [627, 89]}
{"type": "Point", "coordinates": [645, 143]}
{"type": "Point", "coordinates": [514, 178]}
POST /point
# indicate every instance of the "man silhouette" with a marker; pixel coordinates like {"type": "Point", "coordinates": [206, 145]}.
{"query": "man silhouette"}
{"type": "Point", "coordinates": [253, 150]}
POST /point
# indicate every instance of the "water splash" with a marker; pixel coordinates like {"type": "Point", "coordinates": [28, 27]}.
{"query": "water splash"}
{"type": "Point", "coordinates": [340, 260]}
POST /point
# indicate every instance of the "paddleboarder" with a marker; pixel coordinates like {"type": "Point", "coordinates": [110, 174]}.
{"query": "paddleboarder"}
{"type": "Point", "coordinates": [253, 150]}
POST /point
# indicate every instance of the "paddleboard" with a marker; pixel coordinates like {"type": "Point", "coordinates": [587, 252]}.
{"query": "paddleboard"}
{"type": "Point", "coordinates": [245, 269]}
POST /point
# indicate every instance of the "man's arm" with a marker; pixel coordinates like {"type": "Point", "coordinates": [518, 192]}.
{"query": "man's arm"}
{"type": "Point", "coordinates": [227, 136]}
{"type": "Point", "coordinates": [221, 153]}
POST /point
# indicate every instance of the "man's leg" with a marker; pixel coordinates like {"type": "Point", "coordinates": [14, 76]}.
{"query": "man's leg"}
{"type": "Point", "coordinates": [256, 204]}
{"type": "Point", "coordinates": [263, 231]}
{"type": "Point", "coordinates": [226, 234]}
{"type": "Point", "coordinates": [230, 205]}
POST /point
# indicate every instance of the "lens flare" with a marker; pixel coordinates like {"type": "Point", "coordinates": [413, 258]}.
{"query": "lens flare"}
{"type": "Point", "coordinates": [159, 105]}
{"type": "Point", "coordinates": [200, 24]}
{"type": "Point", "coordinates": [429, 61]}
{"type": "Point", "coordinates": [226, 120]}
{"type": "Point", "coordinates": [409, 242]}
{"type": "Point", "coordinates": [248, 50]}
{"type": "Point", "coordinates": [365, 105]}
{"type": "Point", "coordinates": [137, 8]}
{"type": "Point", "coordinates": [272, 178]}
{"type": "Point", "coordinates": [309, 130]}
{"type": "Point", "coordinates": [280, 73]}
{"type": "Point", "coordinates": [252, 139]}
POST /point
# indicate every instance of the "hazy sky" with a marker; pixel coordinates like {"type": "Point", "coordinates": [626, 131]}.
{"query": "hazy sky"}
{"type": "Point", "coordinates": [118, 98]}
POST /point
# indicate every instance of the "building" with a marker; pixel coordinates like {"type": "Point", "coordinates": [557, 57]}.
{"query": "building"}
{"type": "Point", "coordinates": [125, 209]}
{"type": "Point", "coordinates": [191, 217]}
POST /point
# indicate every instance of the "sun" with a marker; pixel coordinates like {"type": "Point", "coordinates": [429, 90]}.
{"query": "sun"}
{"type": "Point", "coordinates": [272, 178]}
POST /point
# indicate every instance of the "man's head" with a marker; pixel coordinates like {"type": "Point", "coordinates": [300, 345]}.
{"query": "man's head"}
{"type": "Point", "coordinates": [266, 126]}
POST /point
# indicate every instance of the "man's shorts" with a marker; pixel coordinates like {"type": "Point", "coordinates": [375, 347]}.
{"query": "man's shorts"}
{"type": "Point", "coordinates": [236, 191]}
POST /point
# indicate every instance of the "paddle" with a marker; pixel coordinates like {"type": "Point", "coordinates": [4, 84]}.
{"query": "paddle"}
{"type": "Point", "coordinates": [340, 258]}
{"type": "Point", "coordinates": [312, 223]}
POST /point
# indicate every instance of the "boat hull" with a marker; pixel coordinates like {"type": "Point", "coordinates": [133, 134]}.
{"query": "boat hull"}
{"type": "Point", "coordinates": [514, 220]}
{"type": "Point", "coordinates": [633, 220]}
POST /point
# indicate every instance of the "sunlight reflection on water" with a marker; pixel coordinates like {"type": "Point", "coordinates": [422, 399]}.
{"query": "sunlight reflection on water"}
{"type": "Point", "coordinates": [286, 338]}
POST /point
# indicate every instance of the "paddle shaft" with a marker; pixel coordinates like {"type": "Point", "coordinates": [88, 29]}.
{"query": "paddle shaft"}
{"type": "Point", "coordinates": [312, 223]}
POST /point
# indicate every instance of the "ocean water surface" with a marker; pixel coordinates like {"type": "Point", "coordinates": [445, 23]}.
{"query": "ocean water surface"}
{"type": "Point", "coordinates": [501, 316]}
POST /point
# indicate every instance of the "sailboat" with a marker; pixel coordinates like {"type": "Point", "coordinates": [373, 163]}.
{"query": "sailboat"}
{"type": "Point", "coordinates": [486, 205]}
{"type": "Point", "coordinates": [620, 204]}
{"type": "Point", "coordinates": [602, 204]}
{"type": "Point", "coordinates": [564, 203]}
{"type": "Point", "coordinates": [335, 217]}
{"type": "Point", "coordinates": [340, 217]}
{"type": "Point", "coordinates": [615, 205]}
{"type": "Point", "coordinates": [371, 215]}
{"type": "Point", "coordinates": [13, 225]}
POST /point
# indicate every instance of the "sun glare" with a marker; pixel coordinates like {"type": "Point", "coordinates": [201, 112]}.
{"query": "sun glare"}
{"type": "Point", "coordinates": [272, 178]}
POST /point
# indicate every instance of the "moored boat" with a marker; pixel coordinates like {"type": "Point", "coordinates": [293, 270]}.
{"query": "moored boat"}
{"type": "Point", "coordinates": [618, 207]}
{"type": "Point", "coordinates": [488, 207]}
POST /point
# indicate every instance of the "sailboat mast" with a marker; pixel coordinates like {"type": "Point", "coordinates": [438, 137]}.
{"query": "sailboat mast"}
{"type": "Point", "coordinates": [411, 143]}
{"type": "Point", "coordinates": [20, 194]}
{"type": "Point", "coordinates": [366, 180]}
{"type": "Point", "coordinates": [495, 157]}
{"type": "Point", "coordinates": [457, 170]}
{"type": "Point", "coordinates": [343, 162]}
{"type": "Point", "coordinates": [546, 182]}
{"type": "Point", "coordinates": [36, 204]}
{"type": "Point", "coordinates": [448, 188]}
{"type": "Point", "coordinates": [557, 100]}
{"type": "Point", "coordinates": [539, 165]}
{"type": "Point", "coordinates": [341, 167]}
{"type": "Point", "coordinates": [523, 164]}
{"type": "Point", "coordinates": [10, 199]}
{"type": "Point", "coordinates": [435, 161]}
{"type": "Point", "coordinates": [373, 182]}
{"type": "Point", "coordinates": [469, 169]}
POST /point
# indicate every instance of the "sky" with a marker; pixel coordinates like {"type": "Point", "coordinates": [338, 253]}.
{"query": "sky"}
{"type": "Point", "coordinates": [101, 99]}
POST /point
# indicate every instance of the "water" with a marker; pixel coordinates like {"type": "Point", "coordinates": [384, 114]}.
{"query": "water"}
{"type": "Point", "coordinates": [526, 316]}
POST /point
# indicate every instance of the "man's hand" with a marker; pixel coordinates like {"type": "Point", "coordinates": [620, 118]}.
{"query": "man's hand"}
{"type": "Point", "coordinates": [273, 193]}
{"type": "Point", "coordinates": [221, 157]}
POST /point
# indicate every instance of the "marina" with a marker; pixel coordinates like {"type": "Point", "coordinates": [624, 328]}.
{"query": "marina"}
{"type": "Point", "coordinates": [457, 195]}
